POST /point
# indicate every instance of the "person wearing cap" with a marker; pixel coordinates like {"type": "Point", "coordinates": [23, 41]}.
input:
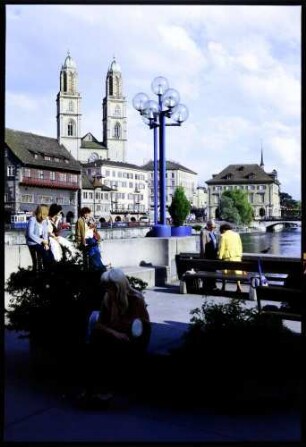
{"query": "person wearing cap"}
{"type": "Point", "coordinates": [119, 337]}
{"type": "Point", "coordinates": [209, 248]}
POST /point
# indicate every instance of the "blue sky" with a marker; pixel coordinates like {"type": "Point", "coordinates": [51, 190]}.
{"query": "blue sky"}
{"type": "Point", "coordinates": [237, 68]}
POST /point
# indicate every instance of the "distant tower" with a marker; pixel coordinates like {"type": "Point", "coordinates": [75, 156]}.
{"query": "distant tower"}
{"type": "Point", "coordinates": [261, 158]}
{"type": "Point", "coordinates": [68, 103]}
{"type": "Point", "coordinates": [114, 115]}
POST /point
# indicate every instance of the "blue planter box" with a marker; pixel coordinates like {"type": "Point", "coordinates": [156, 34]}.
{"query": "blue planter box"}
{"type": "Point", "coordinates": [183, 230]}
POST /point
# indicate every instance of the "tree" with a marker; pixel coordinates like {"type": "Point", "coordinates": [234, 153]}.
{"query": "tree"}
{"type": "Point", "coordinates": [235, 207]}
{"type": "Point", "coordinates": [289, 206]}
{"type": "Point", "coordinates": [180, 207]}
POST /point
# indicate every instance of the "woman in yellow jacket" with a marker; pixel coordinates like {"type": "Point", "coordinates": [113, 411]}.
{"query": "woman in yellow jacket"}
{"type": "Point", "coordinates": [230, 248]}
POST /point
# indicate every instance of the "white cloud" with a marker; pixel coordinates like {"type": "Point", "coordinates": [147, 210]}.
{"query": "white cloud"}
{"type": "Point", "coordinates": [237, 69]}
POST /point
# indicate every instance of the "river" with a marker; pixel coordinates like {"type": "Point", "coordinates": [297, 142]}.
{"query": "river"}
{"type": "Point", "coordinates": [284, 243]}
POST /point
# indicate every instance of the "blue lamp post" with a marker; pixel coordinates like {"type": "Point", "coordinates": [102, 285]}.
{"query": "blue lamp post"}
{"type": "Point", "coordinates": [154, 115]}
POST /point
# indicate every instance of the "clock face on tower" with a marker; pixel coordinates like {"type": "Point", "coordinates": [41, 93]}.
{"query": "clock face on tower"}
{"type": "Point", "coordinates": [93, 157]}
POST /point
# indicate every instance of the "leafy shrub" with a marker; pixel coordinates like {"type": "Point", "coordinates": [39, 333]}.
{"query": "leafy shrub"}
{"type": "Point", "coordinates": [197, 227]}
{"type": "Point", "coordinates": [53, 305]}
{"type": "Point", "coordinates": [239, 340]}
{"type": "Point", "coordinates": [180, 207]}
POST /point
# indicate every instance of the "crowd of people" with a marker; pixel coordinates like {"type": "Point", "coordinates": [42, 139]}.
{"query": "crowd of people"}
{"type": "Point", "coordinates": [121, 331]}
{"type": "Point", "coordinates": [47, 246]}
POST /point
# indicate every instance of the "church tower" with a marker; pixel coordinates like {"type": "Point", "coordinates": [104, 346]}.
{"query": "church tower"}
{"type": "Point", "coordinates": [114, 115]}
{"type": "Point", "coordinates": [68, 103]}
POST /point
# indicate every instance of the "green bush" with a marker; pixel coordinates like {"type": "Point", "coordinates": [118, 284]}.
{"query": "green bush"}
{"type": "Point", "coordinates": [233, 336]}
{"type": "Point", "coordinates": [53, 305]}
{"type": "Point", "coordinates": [197, 227]}
{"type": "Point", "coordinates": [180, 207]}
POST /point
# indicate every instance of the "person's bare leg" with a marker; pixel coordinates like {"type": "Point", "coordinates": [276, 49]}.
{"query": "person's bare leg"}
{"type": "Point", "coordinates": [238, 287]}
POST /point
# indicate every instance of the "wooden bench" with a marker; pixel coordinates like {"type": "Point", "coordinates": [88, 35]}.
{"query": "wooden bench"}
{"type": "Point", "coordinates": [289, 302]}
{"type": "Point", "coordinates": [191, 268]}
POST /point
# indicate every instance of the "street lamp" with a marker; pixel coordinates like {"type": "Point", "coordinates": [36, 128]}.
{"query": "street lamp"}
{"type": "Point", "coordinates": [154, 115]}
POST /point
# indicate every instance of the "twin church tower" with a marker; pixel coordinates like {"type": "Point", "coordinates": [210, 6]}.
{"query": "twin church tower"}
{"type": "Point", "coordinates": [69, 117]}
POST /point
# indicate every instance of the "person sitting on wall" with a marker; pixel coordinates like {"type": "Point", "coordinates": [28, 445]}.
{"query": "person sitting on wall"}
{"type": "Point", "coordinates": [38, 245]}
{"type": "Point", "coordinates": [119, 337]}
{"type": "Point", "coordinates": [87, 239]}
{"type": "Point", "coordinates": [51, 232]}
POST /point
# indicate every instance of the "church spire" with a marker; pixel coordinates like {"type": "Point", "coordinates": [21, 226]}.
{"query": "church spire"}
{"type": "Point", "coordinates": [261, 157]}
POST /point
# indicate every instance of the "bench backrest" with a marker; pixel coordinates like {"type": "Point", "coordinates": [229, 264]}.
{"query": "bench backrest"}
{"type": "Point", "coordinates": [188, 261]}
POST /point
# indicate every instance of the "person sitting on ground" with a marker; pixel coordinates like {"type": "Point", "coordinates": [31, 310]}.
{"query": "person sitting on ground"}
{"type": "Point", "coordinates": [38, 246]}
{"type": "Point", "coordinates": [119, 337]}
{"type": "Point", "coordinates": [230, 248]}
{"type": "Point", "coordinates": [209, 249]}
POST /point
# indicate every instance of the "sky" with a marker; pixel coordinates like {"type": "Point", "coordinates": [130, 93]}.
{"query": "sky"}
{"type": "Point", "coordinates": [237, 69]}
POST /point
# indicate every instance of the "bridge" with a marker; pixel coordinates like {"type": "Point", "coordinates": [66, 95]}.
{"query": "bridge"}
{"type": "Point", "coordinates": [279, 224]}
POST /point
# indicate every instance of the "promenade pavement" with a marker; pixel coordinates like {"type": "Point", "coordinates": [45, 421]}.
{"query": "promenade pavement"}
{"type": "Point", "coordinates": [34, 410]}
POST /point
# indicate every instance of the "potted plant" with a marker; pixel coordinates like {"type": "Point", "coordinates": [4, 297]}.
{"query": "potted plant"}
{"type": "Point", "coordinates": [179, 210]}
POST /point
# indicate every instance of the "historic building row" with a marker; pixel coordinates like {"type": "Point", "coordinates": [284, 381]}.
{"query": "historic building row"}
{"type": "Point", "coordinates": [76, 170]}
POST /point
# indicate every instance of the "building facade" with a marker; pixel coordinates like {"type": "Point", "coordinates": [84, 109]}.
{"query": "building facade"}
{"type": "Point", "coordinates": [128, 187]}
{"type": "Point", "coordinates": [176, 175]}
{"type": "Point", "coordinates": [39, 170]}
{"type": "Point", "coordinates": [262, 188]}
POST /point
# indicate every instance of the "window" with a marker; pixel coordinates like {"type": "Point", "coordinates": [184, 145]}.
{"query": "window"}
{"type": "Point", "coordinates": [27, 172]}
{"type": "Point", "coordinates": [52, 175]}
{"type": "Point", "coordinates": [27, 198]}
{"type": "Point", "coordinates": [70, 128]}
{"type": "Point", "coordinates": [70, 106]}
{"type": "Point", "coordinates": [73, 178]}
{"type": "Point", "coordinates": [117, 110]}
{"type": "Point", "coordinates": [6, 197]}
{"type": "Point", "coordinates": [11, 171]}
{"type": "Point", "coordinates": [110, 85]}
{"type": "Point", "coordinates": [107, 173]}
{"type": "Point", "coordinates": [46, 199]}
{"type": "Point", "coordinates": [90, 195]}
{"type": "Point", "coordinates": [62, 177]}
{"type": "Point", "coordinates": [47, 157]}
{"type": "Point", "coordinates": [41, 175]}
{"type": "Point", "coordinates": [85, 195]}
{"type": "Point", "coordinates": [260, 198]}
{"type": "Point", "coordinates": [117, 131]}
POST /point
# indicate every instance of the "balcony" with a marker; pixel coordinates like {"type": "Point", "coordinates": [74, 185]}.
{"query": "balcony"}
{"type": "Point", "coordinates": [44, 183]}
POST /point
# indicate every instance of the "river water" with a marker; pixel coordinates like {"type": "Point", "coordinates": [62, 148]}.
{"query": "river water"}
{"type": "Point", "coordinates": [284, 243]}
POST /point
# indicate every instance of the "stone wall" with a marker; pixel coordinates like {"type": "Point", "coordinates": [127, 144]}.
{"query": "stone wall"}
{"type": "Point", "coordinates": [132, 252]}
